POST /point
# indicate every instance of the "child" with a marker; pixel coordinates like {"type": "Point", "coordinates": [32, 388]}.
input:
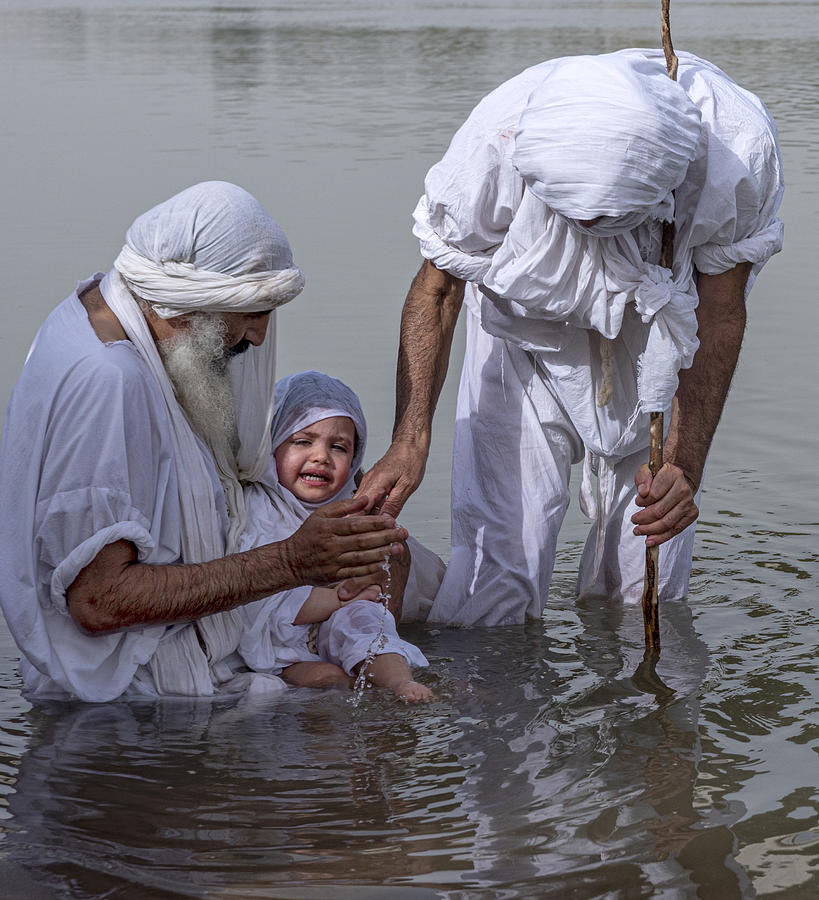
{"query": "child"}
{"type": "Point", "coordinates": [308, 634]}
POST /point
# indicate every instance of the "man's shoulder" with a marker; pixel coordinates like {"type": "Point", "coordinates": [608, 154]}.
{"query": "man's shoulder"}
{"type": "Point", "coordinates": [726, 107]}
{"type": "Point", "coordinates": [69, 367]}
{"type": "Point", "coordinates": [66, 343]}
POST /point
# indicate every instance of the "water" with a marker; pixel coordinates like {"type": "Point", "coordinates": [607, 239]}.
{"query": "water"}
{"type": "Point", "coordinates": [543, 770]}
{"type": "Point", "coordinates": [364, 678]}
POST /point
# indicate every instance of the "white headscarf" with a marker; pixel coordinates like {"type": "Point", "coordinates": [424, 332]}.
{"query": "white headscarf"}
{"type": "Point", "coordinates": [301, 400]}
{"type": "Point", "coordinates": [213, 248]}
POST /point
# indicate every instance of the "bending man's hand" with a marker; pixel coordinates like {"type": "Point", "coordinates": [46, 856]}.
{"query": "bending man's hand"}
{"type": "Point", "coordinates": [397, 474]}
{"type": "Point", "coordinates": [668, 504]}
{"type": "Point", "coordinates": [335, 543]}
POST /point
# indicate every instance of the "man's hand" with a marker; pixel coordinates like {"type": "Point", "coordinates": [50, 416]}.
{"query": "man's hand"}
{"type": "Point", "coordinates": [334, 543]}
{"type": "Point", "coordinates": [427, 325]}
{"type": "Point", "coordinates": [668, 503]}
{"type": "Point", "coordinates": [394, 477]}
{"type": "Point", "coordinates": [357, 588]}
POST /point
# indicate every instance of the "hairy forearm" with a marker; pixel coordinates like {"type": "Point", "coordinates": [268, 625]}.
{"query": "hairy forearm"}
{"type": "Point", "coordinates": [704, 387]}
{"type": "Point", "coordinates": [427, 326]}
{"type": "Point", "coordinates": [115, 592]}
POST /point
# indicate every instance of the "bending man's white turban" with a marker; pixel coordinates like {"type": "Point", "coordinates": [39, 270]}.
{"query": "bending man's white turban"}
{"type": "Point", "coordinates": [611, 136]}
{"type": "Point", "coordinates": [606, 136]}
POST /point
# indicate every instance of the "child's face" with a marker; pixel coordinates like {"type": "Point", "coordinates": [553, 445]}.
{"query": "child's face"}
{"type": "Point", "coordinates": [315, 462]}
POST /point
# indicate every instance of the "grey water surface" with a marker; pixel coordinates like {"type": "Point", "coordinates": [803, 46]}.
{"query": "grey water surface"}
{"type": "Point", "coordinates": [551, 766]}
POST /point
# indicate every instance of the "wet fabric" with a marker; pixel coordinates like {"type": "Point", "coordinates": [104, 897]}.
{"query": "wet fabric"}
{"type": "Point", "coordinates": [515, 445]}
{"type": "Point", "coordinates": [606, 327]}
{"type": "Point", "coordinates": [270, 639]}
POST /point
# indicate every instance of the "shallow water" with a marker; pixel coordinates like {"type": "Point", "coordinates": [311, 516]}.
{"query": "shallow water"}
{"type": "Point", "coordinates": [543, 770]}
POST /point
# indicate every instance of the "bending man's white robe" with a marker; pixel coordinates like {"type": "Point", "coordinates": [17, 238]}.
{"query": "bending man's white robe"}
{"type": "Point", "coordinates": [543, 293]}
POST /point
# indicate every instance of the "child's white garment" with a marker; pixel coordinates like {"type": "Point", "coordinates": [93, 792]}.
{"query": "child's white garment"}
{"type": "Point", "coordinates": [270, 640]}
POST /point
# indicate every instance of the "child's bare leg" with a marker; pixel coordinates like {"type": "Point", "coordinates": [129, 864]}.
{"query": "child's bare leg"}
{"type": "Point", "coordinates": [391, 670]}
{"type": "Point", "coordinates": [316, 675]}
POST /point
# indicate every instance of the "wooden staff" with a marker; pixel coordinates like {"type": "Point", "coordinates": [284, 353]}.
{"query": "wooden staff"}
{"type": "Point", "coordinates": [651, 609]}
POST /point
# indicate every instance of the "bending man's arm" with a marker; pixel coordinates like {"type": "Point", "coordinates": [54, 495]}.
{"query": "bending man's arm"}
{"type": "Point", "coordinates": [115, 592]}
{"type": "Point", "coordinates": [427, 325]}
{"type": "Point", "coordinates": [668, 498]}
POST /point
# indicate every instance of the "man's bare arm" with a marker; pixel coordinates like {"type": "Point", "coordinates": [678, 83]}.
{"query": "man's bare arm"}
{"type": "Point", "coordinates": [427, 325]}
{"type": "Point", "coordinates": [115, 592]}
{"type": "Point", "coordinates": [668, 499]}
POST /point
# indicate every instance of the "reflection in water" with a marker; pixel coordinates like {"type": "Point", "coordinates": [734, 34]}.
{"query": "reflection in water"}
{"type": "Point", "coordinates": [543, 769]}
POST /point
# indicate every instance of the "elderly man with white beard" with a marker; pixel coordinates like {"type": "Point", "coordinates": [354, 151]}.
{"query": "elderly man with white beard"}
{"type": "Point", "coordinates": [143, 408]}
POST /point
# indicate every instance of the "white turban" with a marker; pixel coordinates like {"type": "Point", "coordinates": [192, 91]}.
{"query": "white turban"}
{"type": "Point", "coordinates": [212, 247]}
{"type": "Point", "coordinates": [607, 135]}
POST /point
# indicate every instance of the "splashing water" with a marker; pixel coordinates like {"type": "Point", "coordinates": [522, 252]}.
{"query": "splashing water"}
{"type": "Point", "coordinates": [364, 678]}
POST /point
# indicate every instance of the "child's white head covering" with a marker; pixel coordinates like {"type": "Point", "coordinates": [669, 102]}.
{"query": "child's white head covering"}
{"type": "Point", "coordinates": [301, 400]}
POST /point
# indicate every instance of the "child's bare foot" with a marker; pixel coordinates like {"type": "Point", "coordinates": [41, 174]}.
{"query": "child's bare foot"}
{"type": "Point", "coordinates": [414, 692]}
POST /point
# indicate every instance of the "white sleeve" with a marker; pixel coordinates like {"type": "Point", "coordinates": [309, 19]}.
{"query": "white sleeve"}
{"type": "Point", "coordinates": [94, 456]}
{"type": "Point", "coordinates": [269, 630]}
{"type": "Point", "coordinates": [734, 187]}
{"type": "Point", "coordinates": [470, 199]}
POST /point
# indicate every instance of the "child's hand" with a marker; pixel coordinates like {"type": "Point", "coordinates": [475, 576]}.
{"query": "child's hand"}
{"type": "Point", "coordinates": [371, 592]}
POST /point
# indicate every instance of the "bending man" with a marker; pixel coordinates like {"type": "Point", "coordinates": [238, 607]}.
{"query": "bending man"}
{"type": "Point", "coordinates": [546, 213]}
{"type": "Point", "coordinates": [145, 402]}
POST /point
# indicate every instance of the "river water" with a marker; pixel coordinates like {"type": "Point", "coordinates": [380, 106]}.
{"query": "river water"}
{"type": "Point", "coordinates": [551, 766]}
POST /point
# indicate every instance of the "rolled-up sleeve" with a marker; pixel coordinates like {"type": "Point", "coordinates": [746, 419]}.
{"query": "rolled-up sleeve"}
{"type": "Point", "coordinates": [736, 185]}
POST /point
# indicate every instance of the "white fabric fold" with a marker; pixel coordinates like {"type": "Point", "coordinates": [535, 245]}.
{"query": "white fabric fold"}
{"type": "Point", "coordinates": [175, 288]}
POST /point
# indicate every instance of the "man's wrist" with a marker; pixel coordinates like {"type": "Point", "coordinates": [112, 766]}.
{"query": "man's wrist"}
{"type": "Point", "coordinates": [691, 473]}
{"type": "Point", "coordinates": [278, 564]}
{"type": "Point", "coordinates": [416, 440]}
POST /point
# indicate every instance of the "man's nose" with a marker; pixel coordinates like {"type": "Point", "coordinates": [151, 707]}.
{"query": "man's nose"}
{"type": "Point", "coordinates": [256, 331]}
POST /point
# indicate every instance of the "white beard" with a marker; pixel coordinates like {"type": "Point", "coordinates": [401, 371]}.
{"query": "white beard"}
{"type": "Point", "coordinates": [196, 360]}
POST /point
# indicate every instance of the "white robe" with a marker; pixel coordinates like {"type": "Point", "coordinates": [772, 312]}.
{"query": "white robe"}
{"type": "Point", "coordinates": [85, 460]}
{"type": "Point", "coordinates": [542, 293]}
